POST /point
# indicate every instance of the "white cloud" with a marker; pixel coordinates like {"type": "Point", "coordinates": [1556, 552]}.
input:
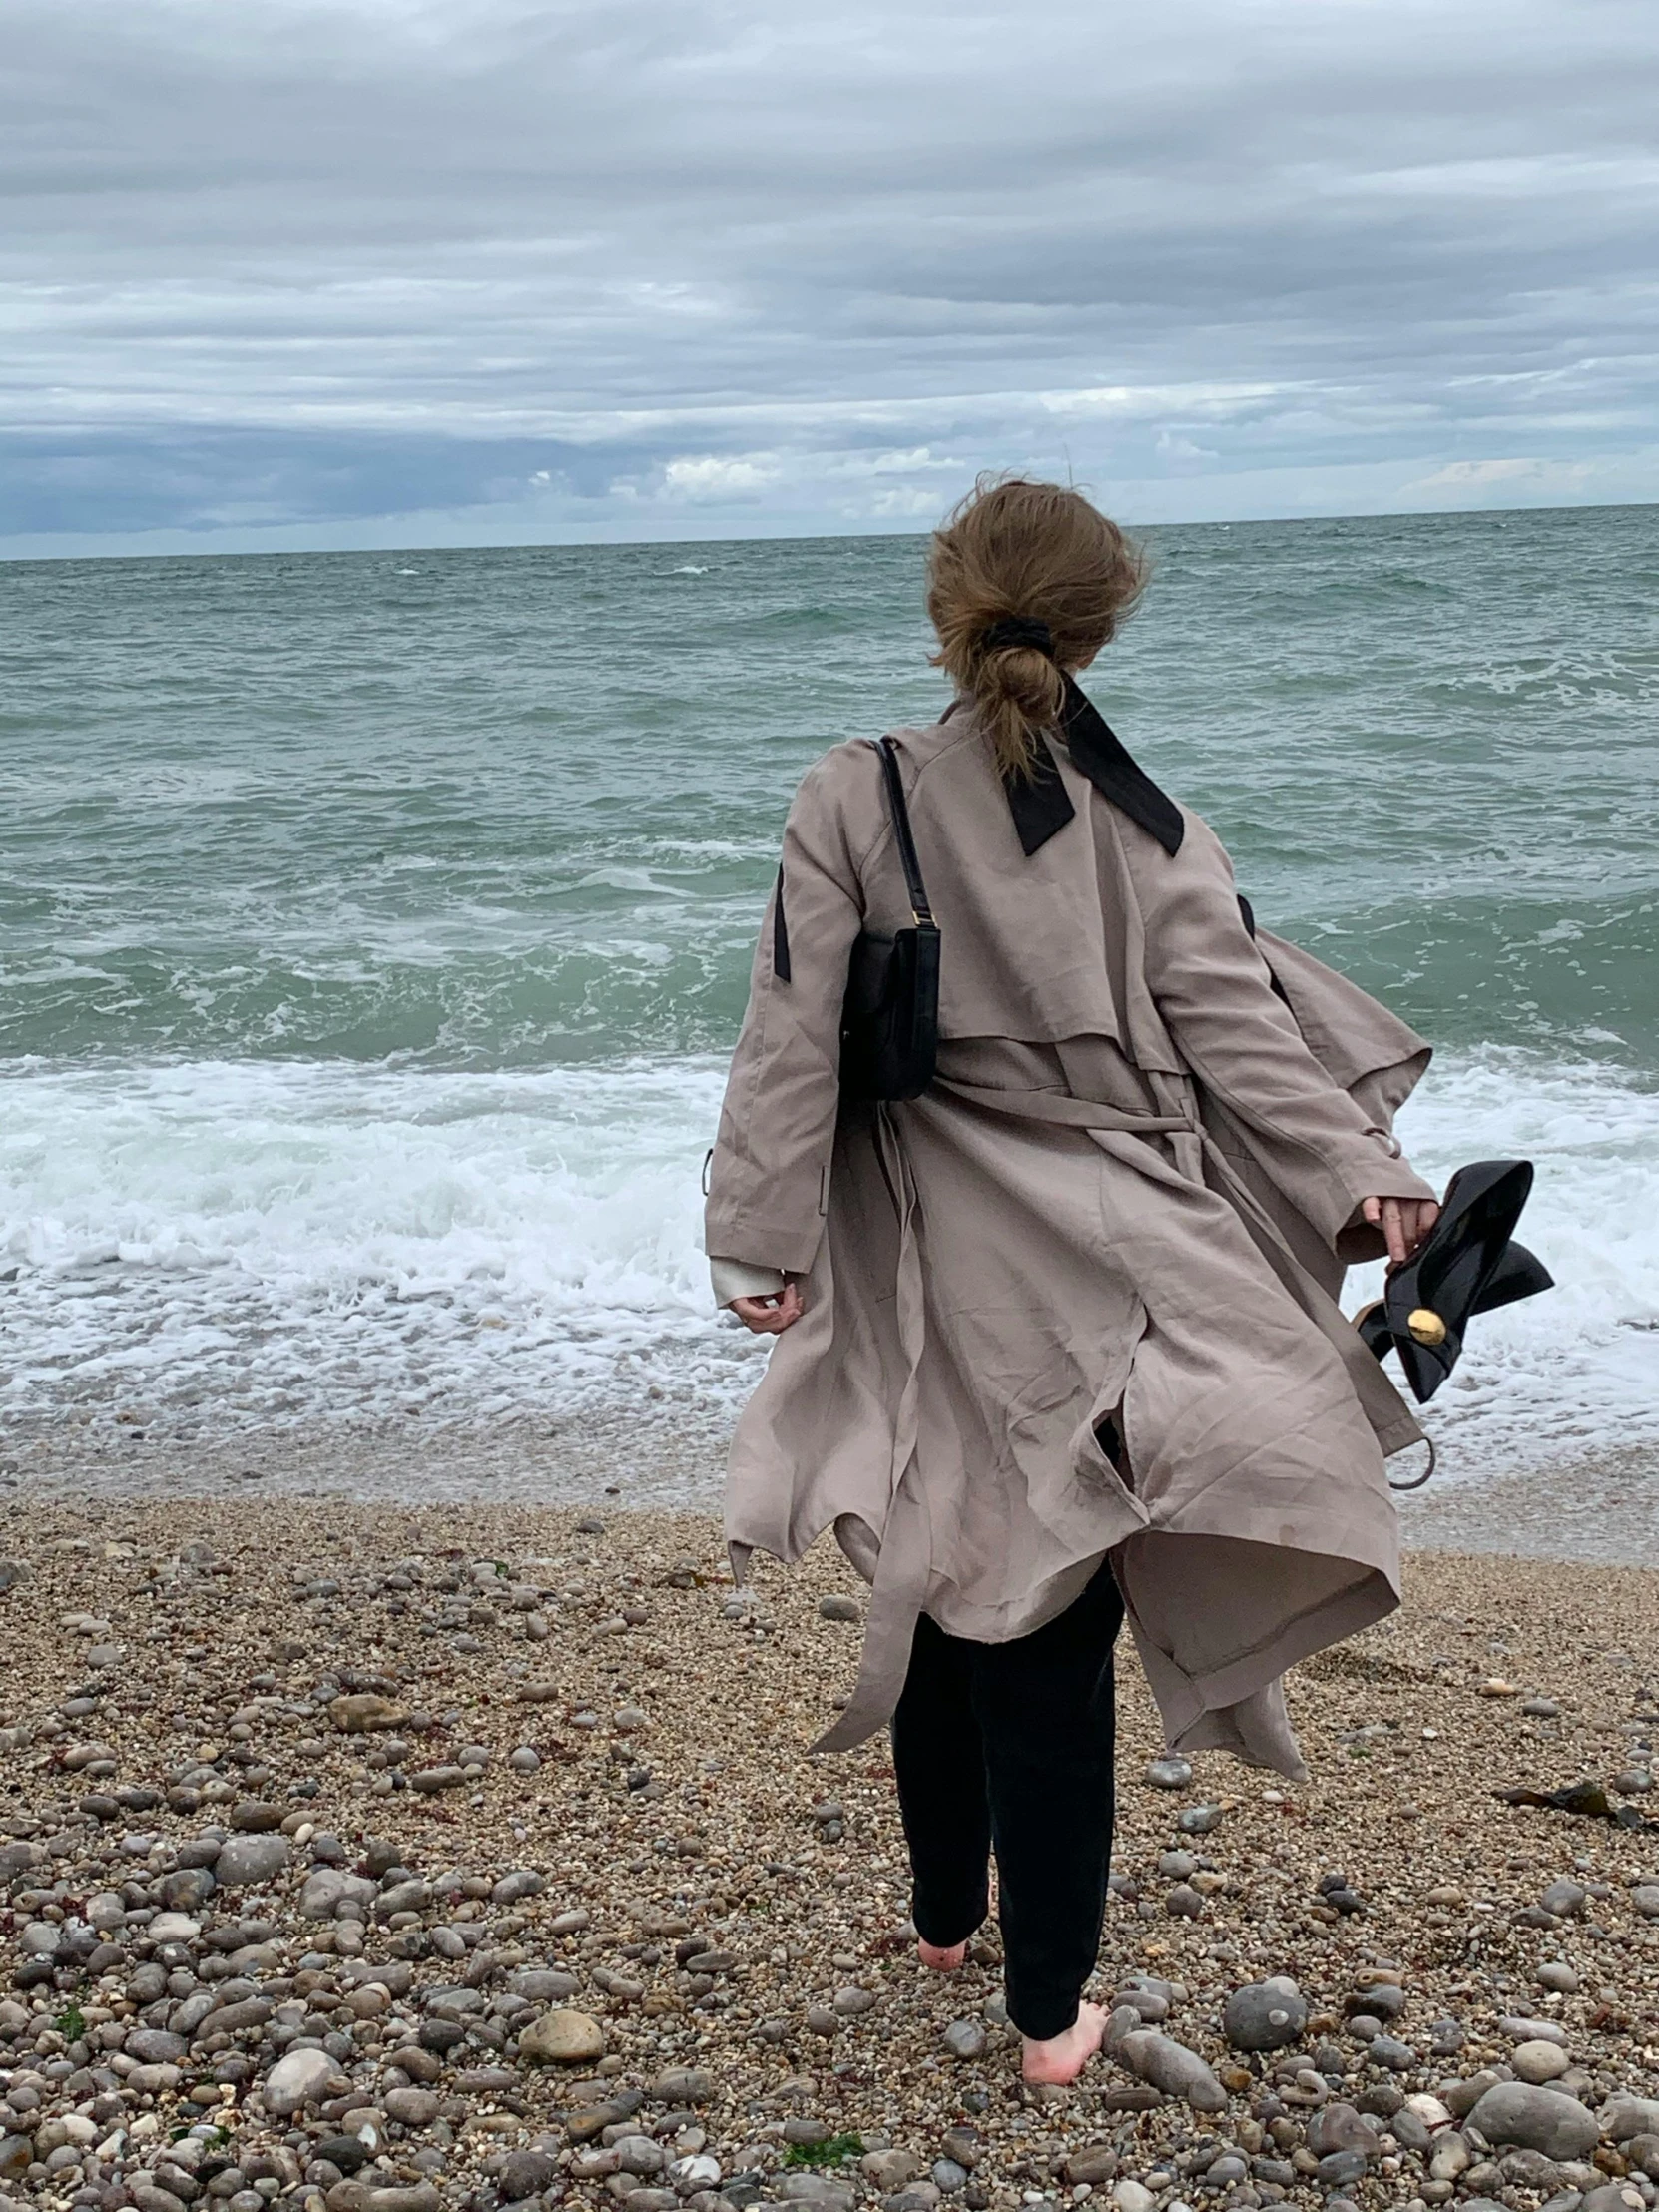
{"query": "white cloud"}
{"type": "Point", "coordinates": [1181, 452]}
{"type": "Point", "coordinates": [1523, 471]}
{"type": "Point", "coordinates": [361, 263]}
{"type": "Point", "coordinates": [707, 476]}
{"type": "Point", "coordinates": [913, 503]}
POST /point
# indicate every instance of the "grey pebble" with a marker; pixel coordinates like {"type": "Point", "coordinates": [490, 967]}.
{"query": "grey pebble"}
{"type": "Point", "coordinates": [413, 2108]}
{"type": "Point", "coordinates": [155, 2046]}
{"type": "Point", "coordinates": [1170, 2067]}
{"type": "Point", "coordinates": [1198, 1820]}
{"type": "Point", "coordinates": [1536, 2119]}
{"type": "Point", "coordinates": [1339, 2128]}
{"type": "Point", "coordinates": [1625, 2117]}
{"type": "Point", "coordinates": [1385, 2000]}
{"type": "Point", "coordinates": [683, 2086]}
{"type": "Point", "coordinates": [849, 2002]}
{"type": "Point", "coordinates": [1564, 1898]}
{"type": "Point", "coordinates": [1168, 1774]}
{"type": "Point", "coordinates": [1339, 2167]}
{"type": "Point", "coordinates": [521, 1882]}
{"type": "Point", "coordinates": [639, 2154]}
{"type": "Point", "coordinates": [815, 2189]}
{"type": "Point", "coordinates": [1520, 2030]}
{"type": "Point", "coordinates": [1265, 2015]}
{"type": "Point", "coordinates": [328, 1888]}
{"type": "Point", "coordinates": [1409, 2131]}
{"type": "Point", "coordinates": [1388, 2050]}
{"type": "Point", "coordinates": [251, 1860]}
{"type": "Point", "coordinates": [526, 2174]}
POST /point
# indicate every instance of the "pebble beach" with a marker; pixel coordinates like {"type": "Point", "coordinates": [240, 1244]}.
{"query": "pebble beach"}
{"type": "Point", "coordinates": [362, 1858]}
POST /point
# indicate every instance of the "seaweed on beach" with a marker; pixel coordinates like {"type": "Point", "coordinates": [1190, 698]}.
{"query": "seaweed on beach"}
{"type": "Point", "coordinates": [837, 2151]}
{"type": "Point", "coordinates": [1587, 1799]}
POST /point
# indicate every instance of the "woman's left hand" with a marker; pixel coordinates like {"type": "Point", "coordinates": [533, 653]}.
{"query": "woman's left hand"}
{"type": "Point", "coordinates": [1405, 1222]}
{"type": "Point", "coordinates": [770, 1317]}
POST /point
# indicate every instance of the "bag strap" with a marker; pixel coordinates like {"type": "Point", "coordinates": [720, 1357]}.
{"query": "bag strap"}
{"type": "Point", "coordinates": [921, 912]}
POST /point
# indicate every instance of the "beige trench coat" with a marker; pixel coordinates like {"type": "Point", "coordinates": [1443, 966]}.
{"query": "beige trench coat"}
{"type": "Point", "coordinates": [1131, 1195]}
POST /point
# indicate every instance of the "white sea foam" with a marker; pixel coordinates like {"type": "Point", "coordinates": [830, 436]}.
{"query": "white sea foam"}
{"type": "Point", "coordinates": [247, 1243]}
{"type": "Point", "coordinates": [218, 1245]}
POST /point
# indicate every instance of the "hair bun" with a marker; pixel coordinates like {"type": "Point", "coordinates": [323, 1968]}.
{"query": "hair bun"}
{"type": "Point", "coordinates": [1043, 549]}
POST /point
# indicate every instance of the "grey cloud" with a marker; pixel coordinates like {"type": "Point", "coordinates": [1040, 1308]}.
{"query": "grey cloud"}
{"type": "Point", "coordinates": [637, 267]}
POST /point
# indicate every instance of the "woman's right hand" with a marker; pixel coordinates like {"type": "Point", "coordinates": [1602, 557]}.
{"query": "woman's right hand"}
{"type": "Point", "coordinates": [770, 1317]}
{"type": "Point", "coordinates": [1405, 1222]}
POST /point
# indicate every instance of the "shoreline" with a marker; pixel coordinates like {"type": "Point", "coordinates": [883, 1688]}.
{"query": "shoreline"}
{"type": "Point", "coordinates": [566, 1751]}
{"type": "Point", "coordinates": [1599, 1508]}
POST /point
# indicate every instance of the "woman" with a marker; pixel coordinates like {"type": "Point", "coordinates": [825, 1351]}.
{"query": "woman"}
{"type": "Point", "coordinates": [1059, 1338]}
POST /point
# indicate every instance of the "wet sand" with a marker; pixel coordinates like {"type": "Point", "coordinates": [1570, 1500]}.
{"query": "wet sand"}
{"type": "Point", "coordinates": [1602, 1509]}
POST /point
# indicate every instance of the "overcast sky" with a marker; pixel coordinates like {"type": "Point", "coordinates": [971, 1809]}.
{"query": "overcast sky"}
{"type": "Point", "coordinates": [365, 273]}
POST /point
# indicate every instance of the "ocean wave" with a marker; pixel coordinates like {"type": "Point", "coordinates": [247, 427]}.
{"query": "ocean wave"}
{"type": "Point", "coordinates": [219, 1245]}
{"type": "Point", "coordinates": [211, 1247]}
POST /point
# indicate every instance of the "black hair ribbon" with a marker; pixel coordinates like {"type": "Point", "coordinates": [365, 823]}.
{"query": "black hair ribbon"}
{"type": "Point", "coordinates": [1040, 805]}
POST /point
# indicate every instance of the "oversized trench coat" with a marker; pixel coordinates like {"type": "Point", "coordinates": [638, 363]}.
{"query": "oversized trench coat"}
{"type": "Point", "coordinates": [1129, 1197]}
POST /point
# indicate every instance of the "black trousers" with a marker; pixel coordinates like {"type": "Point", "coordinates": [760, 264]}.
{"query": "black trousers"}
{"type": "Point", "coordinates": [1008, 1748]}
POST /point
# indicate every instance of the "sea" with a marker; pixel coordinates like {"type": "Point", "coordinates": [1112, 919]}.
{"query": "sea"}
{"type": "Point", "coordinates": [375, 929]}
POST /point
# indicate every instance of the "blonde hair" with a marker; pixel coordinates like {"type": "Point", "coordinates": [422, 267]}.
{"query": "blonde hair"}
{"type": "Point", "coordinates": [1041, 552]}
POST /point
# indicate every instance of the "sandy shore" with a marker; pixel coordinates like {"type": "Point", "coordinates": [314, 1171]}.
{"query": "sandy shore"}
{"type": "Point", "coordinates": [587, 1795]}
{"type": "Point", "coordinates": [1602, 1507]}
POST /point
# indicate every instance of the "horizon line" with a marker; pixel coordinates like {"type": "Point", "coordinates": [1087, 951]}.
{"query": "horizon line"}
{"type": "Point", "coordinates": [814, 537]}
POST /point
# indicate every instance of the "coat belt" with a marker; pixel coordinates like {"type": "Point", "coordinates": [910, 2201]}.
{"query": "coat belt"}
{"type": "Point", "coordinates": [1391, 1418]}
{"type": "Point", "coordinates": [1074, 1113]}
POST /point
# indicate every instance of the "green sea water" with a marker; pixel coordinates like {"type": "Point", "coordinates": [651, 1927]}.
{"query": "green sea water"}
{"type": "Point", "coordinates": [372, 927]}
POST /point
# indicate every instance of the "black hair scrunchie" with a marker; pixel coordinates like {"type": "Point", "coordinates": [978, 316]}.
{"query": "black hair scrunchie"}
{"type": "Point", "coordinates": [1012, 631]}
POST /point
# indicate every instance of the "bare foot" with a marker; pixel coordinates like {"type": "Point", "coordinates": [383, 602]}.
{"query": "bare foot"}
{"type": "Point", "coordinates": [942, 1961]}
{"type": "Point", "coordinates": [1063, 2057]}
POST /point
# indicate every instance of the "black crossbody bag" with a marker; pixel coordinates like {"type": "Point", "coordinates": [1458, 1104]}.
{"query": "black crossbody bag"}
{"type": "Point", "coordinates": [890, 1015]}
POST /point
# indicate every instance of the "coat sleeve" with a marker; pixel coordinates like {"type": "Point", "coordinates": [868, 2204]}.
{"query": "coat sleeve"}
{"type": "Point", "coordinates": [769, 1181]}
{"type": "Point", "coordinates": [729, 1278]}
{"type": "Point", "coordinates": [1215, 992]}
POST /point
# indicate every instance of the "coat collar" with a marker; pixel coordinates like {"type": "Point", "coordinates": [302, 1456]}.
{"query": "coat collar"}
{"type": "Point", "coordinates": [1041, 804]}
